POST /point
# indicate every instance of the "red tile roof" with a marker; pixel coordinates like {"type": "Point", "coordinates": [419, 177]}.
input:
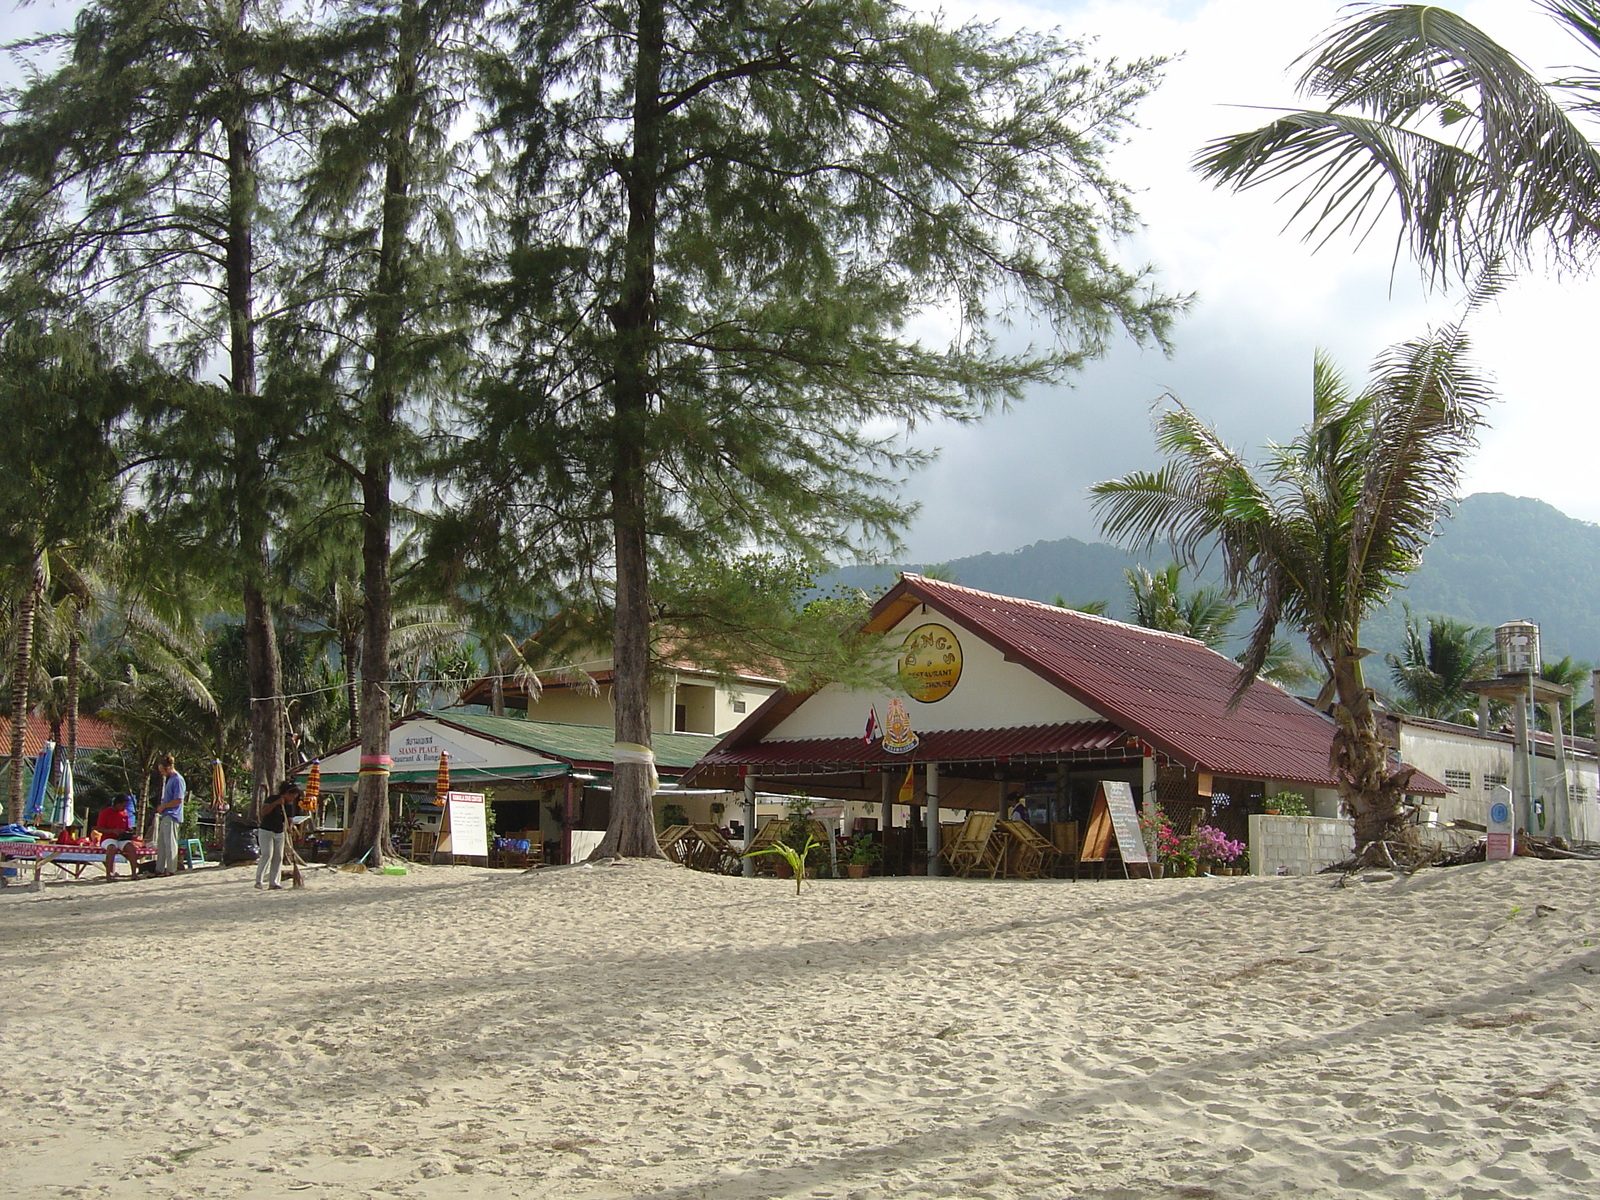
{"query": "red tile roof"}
{"type": "Point", "coordinates": [946, 745]}
{"type": "Point", "coordinates": [93, 734]}
{"type": "Point", "coordinates": [1168, 690]}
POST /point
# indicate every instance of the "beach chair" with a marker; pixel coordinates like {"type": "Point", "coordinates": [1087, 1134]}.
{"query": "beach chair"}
{"type": "Point", "coordinates": [1029, 854]}
{"type": "Point", "coordinates": [671, 840]}
{"type": "Point", "coordinates": [975, 846]}
{"type": "Point", "coordinates": [716, 854]}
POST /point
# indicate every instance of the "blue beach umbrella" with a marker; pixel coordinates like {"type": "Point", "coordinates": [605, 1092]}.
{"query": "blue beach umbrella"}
{"type": "Point", "coordinates": [33, 809]}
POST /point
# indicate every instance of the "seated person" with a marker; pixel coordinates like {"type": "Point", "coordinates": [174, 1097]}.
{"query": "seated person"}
{"type": "Point", "coordinates": [114, 826]}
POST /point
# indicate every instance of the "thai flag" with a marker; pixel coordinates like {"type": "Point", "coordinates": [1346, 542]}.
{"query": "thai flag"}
{"type": "Point", "coordinates": [872, 732]}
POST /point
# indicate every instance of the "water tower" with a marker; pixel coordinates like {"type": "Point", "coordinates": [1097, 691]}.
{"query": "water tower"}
{"type": "Point", "coordinates": [1543, 812]}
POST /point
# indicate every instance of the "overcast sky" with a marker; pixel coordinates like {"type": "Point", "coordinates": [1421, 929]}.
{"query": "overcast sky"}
{"type": "Point", "coordinates": [1264, 301]}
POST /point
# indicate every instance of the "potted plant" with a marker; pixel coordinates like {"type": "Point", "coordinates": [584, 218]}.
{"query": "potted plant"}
{"type": "Point", "coordinates": [1160, 842]}
{"type": "Point", "coordinates": [863, 856]}
{"type": "Point", "coordinates": [1211, 845]}
{"type": "Point", "coordinates": [1287, 804]}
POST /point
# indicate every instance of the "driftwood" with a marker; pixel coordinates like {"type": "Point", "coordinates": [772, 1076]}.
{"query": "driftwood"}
{"type": "Point", "coordinates": [1409, 857]}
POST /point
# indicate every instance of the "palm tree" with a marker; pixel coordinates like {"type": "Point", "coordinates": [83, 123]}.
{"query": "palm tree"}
{"type": "Point", "coordinates": [1325, 530]}
{"type": "Point", "coordinates": [1158, 600]}
{"type": "Point", "coordinates": [1434, 665]}
{"type": "Point", "coordinates": [1483, 161]}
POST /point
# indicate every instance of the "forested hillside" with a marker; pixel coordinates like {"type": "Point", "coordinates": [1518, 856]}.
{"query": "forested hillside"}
{"type": "Point", "coordinates": [1497, 559]}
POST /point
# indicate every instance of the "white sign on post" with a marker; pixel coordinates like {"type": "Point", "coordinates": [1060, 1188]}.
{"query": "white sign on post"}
{"type": "Point", "coordinates": [1500, 841]}
{"type": "Point", "coordinates": [469, 825]}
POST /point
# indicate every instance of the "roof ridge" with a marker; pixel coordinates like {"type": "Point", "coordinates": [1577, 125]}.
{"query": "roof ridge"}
{"type": "Point", "coordinates": [1057, 610]}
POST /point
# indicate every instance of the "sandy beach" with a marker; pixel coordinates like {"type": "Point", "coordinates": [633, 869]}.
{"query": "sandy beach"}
{"type": "Point", "coordinates": [643, 1031]}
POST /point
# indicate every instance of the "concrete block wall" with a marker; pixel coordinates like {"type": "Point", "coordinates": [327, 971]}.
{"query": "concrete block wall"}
{"type": "Point", "coordinates": [1298, 845]}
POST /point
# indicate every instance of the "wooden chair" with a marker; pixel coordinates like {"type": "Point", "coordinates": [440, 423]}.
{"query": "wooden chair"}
{"type": "Point", "coordinates": [671, 840]}
{"type": "Point", "coordinates": [771, 834]}
{"type": "Point", "coordinates": [1064, 836]}
{"type": "Point", "coordinates": [422, 844]}
{"type": "Point", "coordinates": [975, 846]}
{"type": "Point", "coordinates": [1029, 854]}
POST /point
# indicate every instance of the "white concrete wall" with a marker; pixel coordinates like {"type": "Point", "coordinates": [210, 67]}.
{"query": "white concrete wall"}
{"type": "Point", "coordinates": [1439, 751]}
{"type": "Point", "coordinates": [1298, 845]}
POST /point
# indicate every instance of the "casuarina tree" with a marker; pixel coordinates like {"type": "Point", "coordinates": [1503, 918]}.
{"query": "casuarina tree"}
{"type": "Point", "coordinates": [752, 243]}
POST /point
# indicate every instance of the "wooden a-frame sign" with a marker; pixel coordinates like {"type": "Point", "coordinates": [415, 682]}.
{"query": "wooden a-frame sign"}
{"type": "Point", "coordinates": [1114, 820]}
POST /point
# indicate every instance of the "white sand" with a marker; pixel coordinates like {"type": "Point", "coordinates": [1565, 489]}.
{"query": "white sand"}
{"type": "Point", "coordinates": [642, 1031]}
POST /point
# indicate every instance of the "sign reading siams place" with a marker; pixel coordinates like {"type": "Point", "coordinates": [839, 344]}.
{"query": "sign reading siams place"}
{"type": "Point", "coordinates": [930, 663]}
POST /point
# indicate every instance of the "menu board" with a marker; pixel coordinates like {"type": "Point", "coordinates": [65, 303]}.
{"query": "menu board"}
{"type": "Point", "coordinates": [1114, 816]}
{"type": "Point", "coordinates": [468, 825]}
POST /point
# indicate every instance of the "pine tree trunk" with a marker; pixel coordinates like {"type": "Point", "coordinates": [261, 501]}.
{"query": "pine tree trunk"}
{"type": "Point", "coordinates": [368, 837]}
{"type": "Point", "coordinates": [22, 665]}
{"type": "Point", "coordinates": [350, 660]}
{"type": "Point", "coordinates": [265, 675]}
{"type": "Point", "coordinates": [631, 831]}
{"type": "Point", "coordinates": [262, 665]}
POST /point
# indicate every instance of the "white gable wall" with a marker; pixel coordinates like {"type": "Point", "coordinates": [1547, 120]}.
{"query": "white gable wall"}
{"type": "Point", "coordinates": [991, 694]}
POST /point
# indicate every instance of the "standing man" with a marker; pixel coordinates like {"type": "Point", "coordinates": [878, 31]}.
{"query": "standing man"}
{"type": "Point", "coordinates": [169, 816]}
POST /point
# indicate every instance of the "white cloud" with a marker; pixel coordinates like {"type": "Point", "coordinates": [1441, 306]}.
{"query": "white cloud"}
{"type": "Point", "coordinates": [1264, 298]}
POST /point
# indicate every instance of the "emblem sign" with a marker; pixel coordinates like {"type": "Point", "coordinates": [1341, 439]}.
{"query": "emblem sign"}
{"type": "Point", "coordinates": [930, 663]}
{"type": "Point", "coordinates": [898, 737]}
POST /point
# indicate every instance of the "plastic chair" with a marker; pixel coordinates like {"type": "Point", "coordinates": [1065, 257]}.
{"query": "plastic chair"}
{"type": "Point", "coordinates": [194, 853]}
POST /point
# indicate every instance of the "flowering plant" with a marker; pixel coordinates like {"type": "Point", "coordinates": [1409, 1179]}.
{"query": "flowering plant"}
{"type": "Point", "coordinates": [1211, 844]}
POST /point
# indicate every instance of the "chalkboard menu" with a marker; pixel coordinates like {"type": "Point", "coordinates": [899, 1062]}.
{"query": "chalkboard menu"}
{"type": "Point", "coordinates": [1114, 817]}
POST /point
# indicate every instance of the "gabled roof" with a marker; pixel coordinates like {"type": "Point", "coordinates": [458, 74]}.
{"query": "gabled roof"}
{"type": "Point", "coordinates": [579, 745]}
{"type": "Point", "coordinates": [1170, 691]}
{"type": "Point", "coordinates": [535, 749]}
{"type": "Point", "coordinates": [93, 734]}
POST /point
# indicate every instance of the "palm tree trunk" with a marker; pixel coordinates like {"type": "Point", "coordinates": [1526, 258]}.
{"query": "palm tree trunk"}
{"type": "Point", "coordinates": [74, 680]}
{"type": "Point", "coordinates": [22, 666]}
{"type": "Point", "coordinates": [1361, 759]}
{"type": "Point", "coordinates": [631, 829]}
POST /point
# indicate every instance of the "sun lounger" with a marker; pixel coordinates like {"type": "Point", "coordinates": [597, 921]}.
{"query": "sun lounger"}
{"type": "Point", "coordinates": [74, 858]}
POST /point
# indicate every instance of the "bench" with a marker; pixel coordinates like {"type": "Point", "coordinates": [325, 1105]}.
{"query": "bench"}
{"type": "Point", "coordinates": [73, 858]}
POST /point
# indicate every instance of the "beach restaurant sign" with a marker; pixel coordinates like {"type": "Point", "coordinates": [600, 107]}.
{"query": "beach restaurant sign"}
{"type": "Point", "coordinates": [417, 746]}
{"type": "Point", "coordinates": [930, 663]}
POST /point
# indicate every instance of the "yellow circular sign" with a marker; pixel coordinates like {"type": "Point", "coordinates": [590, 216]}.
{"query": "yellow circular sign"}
{"type": "Point", "coordinates": [930, 663]}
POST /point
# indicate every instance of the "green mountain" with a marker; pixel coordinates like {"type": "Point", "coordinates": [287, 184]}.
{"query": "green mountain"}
{"type": "Point", "coordinates": [1498, 558]}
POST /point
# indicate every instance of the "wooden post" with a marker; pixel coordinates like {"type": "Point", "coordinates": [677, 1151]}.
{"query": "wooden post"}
{"type": "Point", "coordinates": [886, 820]}
{"type": "Point", "coordinates": [569, 815]}
{"type": "Point", "coordinates": [933, 818]}
{"type": "Point", "coordinates": [748, 865]}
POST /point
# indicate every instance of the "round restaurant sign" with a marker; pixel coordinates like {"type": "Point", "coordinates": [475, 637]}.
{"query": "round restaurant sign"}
{"type": "Point", "coordinates": [930, 663]}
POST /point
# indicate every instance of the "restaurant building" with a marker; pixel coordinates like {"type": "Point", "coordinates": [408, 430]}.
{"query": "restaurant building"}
{"type": "Point", "coordinates": [1004, 702]}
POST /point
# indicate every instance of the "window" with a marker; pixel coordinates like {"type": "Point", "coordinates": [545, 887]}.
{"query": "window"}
{"type": "Point", "coordinates": [738, 706]}
{"type": "Point", "coordinates": [1459, 780]}
{"type": "Point", "coordinates": [1490, 781]}
{"type": "Point", "coordinates": [1579, 792]}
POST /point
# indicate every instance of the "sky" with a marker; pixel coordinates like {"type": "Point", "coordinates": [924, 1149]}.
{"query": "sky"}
{"type": "Point", "coordinates": [1264, 301]}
